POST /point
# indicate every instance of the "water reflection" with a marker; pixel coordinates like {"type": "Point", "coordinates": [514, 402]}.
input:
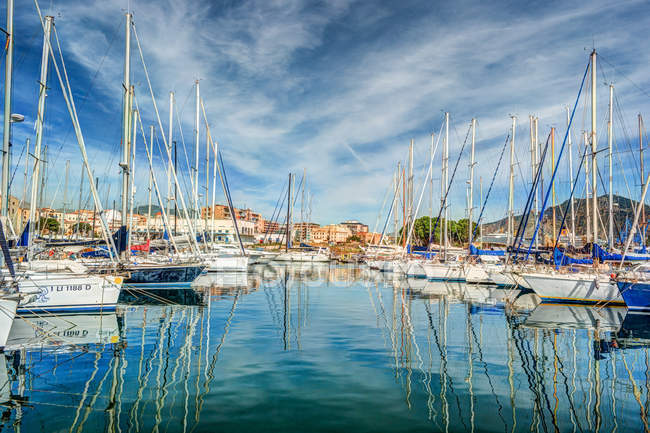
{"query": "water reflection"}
{"type": "Point", "coordinates": [332, 348]}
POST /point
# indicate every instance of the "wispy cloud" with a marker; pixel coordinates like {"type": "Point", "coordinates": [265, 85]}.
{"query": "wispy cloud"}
{"type": "Point", "coordinates": [339, 88]}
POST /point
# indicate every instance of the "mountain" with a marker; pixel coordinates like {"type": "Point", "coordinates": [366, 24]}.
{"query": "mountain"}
{"type": "Point", "coordinates": [623, 210]}
{"type": "Point", "coordinates": [143, 209]}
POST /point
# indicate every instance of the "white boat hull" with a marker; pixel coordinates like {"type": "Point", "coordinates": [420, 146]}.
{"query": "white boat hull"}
{"type": "Point", "coordinates": [574, 288]}
{"type": "Point", "coordinates": [227, 263]}
{"type": "Point", "coordinates": [444, 271]}
{"type": "Point", "coordinates": [58, 292]}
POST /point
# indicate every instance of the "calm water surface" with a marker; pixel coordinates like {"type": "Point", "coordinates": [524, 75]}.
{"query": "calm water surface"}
{"type": "Point", "coordinates": [328, 348]}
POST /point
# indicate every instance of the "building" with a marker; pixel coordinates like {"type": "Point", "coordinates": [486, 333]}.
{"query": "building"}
{"type": "Point", "coordinates": [220, 211]}
{"type": "Point", "coordinates": [333, 233]}
{"type": "Point", "coordinates": [302, 232]}
{"type": "Point", "coordinates": [355, 226]}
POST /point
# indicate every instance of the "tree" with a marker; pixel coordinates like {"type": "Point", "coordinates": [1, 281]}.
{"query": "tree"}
{"type": "Point", "coordinates": [354, 238]}
{"type": "Point", "coordinates": [50, 224]}
{"type": "Point", "coordinates": [82, 227]}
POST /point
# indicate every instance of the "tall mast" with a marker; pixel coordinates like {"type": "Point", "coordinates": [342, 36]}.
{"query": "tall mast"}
{"type": "Point", "coordinates": [553, 179]}
{"type": "Point", "coordinates": [9, 55]}
{"type": "Point", "coordinates": [540, 192]}
{"type": "Point", "coordinates": [214, 188]}
{"type": "Point", "coordinates": [585, 141]}
{"type": "Point", "coordinates": [573, 216]}
{"type": "Point", "coordinates": [40, 118]}
{"type": "Point", "coordinates": [126, 120]}
{"type": "Point", "coordinates": [395, 201]}
{"type": "Point", "coordinates": [610, 126]}
{"type": "Point", "coordinates": [431, 190]}
{"type": "Point", "coordinates": [410, 217]}
{"type": "Point", "coordinates": [642, 169]}
{"type": "Point", "coordinates": [511, 186]}
{"type": "Point", "coordinates": [132, 179]}
{"type": "Point", "coordinates": [594, 166]}
{"type": "Point", "coordinates": [480, 229]}
{"type": "Point", "coordinates": [196, 152]}
{"type": "Point", "coordinates": [288, 227]}
{"type": "Point", "coordinates": [170, 162]}
{"type": "Point", "coordinates": [470, 206]}
{"type": "Point", "coordinates": [445, 165]}
{"type": "Point", "coordinates": [151, 185]}
{"type": "Point", "coordinates": [207, 182]}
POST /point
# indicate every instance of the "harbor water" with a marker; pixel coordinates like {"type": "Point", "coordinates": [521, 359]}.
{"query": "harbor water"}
{"type": "Point", "coordinates": [324, 347]}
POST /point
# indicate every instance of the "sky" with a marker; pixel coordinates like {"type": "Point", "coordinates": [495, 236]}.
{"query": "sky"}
{"type": "Point", "coordinates": [336, 88]}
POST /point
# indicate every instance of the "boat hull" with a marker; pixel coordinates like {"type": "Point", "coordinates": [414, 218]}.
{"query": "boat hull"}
{"type": "Point", "coordinates": [53, 292]}
{"type": "Point", "coordinates": [163, 276]}
{"type": "Point", "coordinates": [636, 295]}
{"type": "Point", "coordinates": [227, 264]}
{"type": "Point", "coordinates": [572, 288]}
{"type": "Point", "coordinates": [444, 272]}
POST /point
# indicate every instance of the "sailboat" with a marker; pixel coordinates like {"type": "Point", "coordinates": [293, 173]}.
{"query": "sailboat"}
{"type": "Point", "coordinates": [45, 285]}
{"type": "Point", "coordinates": [303, 254]}
{"type": "Point", "coordinates": [577, 284]}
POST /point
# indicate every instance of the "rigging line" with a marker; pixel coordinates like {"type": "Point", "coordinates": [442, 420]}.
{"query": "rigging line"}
{"type": "Point", "coordinates": [555, 165]}
{"type": "Point", "coordinates": [625, 133]}
{"type": "Point", "coordinates": [187, 161]}
{"type": "Point", "coordinates": [273, 216]}
{"type": "Point", "coordinates": [451, 180]}
{"type": "Point", "coordinates": [566, 208]}
{"type": "Point", "coordinates": [84, 97]}
{"type": "Point", "coordinates": [480, 216]}
{"type": "Point", "coordinates": [600, 56]}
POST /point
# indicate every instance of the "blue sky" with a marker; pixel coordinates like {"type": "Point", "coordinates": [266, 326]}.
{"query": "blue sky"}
{"type": "Point", "coordinates": [337, 88]}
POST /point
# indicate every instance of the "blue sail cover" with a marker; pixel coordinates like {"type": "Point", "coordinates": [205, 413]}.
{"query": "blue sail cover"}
{"type": "Point", "coordinates": [101, 252]}
{"type": "Point", "coordinates": [602, 255]}
{"type": "Point", "coordinates": [24, 237]}
{"type": "Point", "coordinates": [476, 252]}
{"type": "Point", "coordinates": [561, 259]}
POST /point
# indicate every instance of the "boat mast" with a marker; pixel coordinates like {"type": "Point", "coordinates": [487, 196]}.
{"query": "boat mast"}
{"type": "Point", "coordinates": [151, 186]}
{"type": "Point", "coordinates": [196, 155]}
{"type": "Point", "coordinates": [642, 170]}
{"type": "Point", "coordinates": [214, 190]}
{"type": "Point", "coordinates": [207, 185]}
{"type": "Point", "coordinates": [573, 217]}
{"type": "Point", "coordinates": [40, 118]}
{"type": "Point", "coordinates": [470, 206]}
{"type": "Point", "coordinates": [410, 217]}
{"type": "Point", "coordinates": [538, 162]}
{"type": "Point", "coordinates": [553, 178]}
{"type": "Point", "coordinates": [132, 186]}
{"type": "Point", "coordinates": [594, 166]}
{"type": "Point", "coordinates": [126, 120]}
{"type": "Point", "coordinates": [610, 130]}
{"type": "Point", "coordinates": [480, 229]}
{"type": "Point", "coordinates": [511, 188]}
{"type": "Point", "coordinates": [445, 168]}
{"type": "Point", "coordinates": [170, 162]}
{"type": "Point", "coordinates": [4, 192]}
{"type": "Point", "coordinates": [288, 227]}
{"type": "Point", "coordinates": [431, 191]}
{"type": "Point", "coordinates": [533, 162]}
{"type": "Point", "coordinates": [585, 141]}
{"type": "Point", "coordinates": [395, 202]}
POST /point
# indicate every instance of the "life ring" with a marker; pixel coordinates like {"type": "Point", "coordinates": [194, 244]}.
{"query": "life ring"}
{"type": "Point", "coordinates": [50, 253]}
